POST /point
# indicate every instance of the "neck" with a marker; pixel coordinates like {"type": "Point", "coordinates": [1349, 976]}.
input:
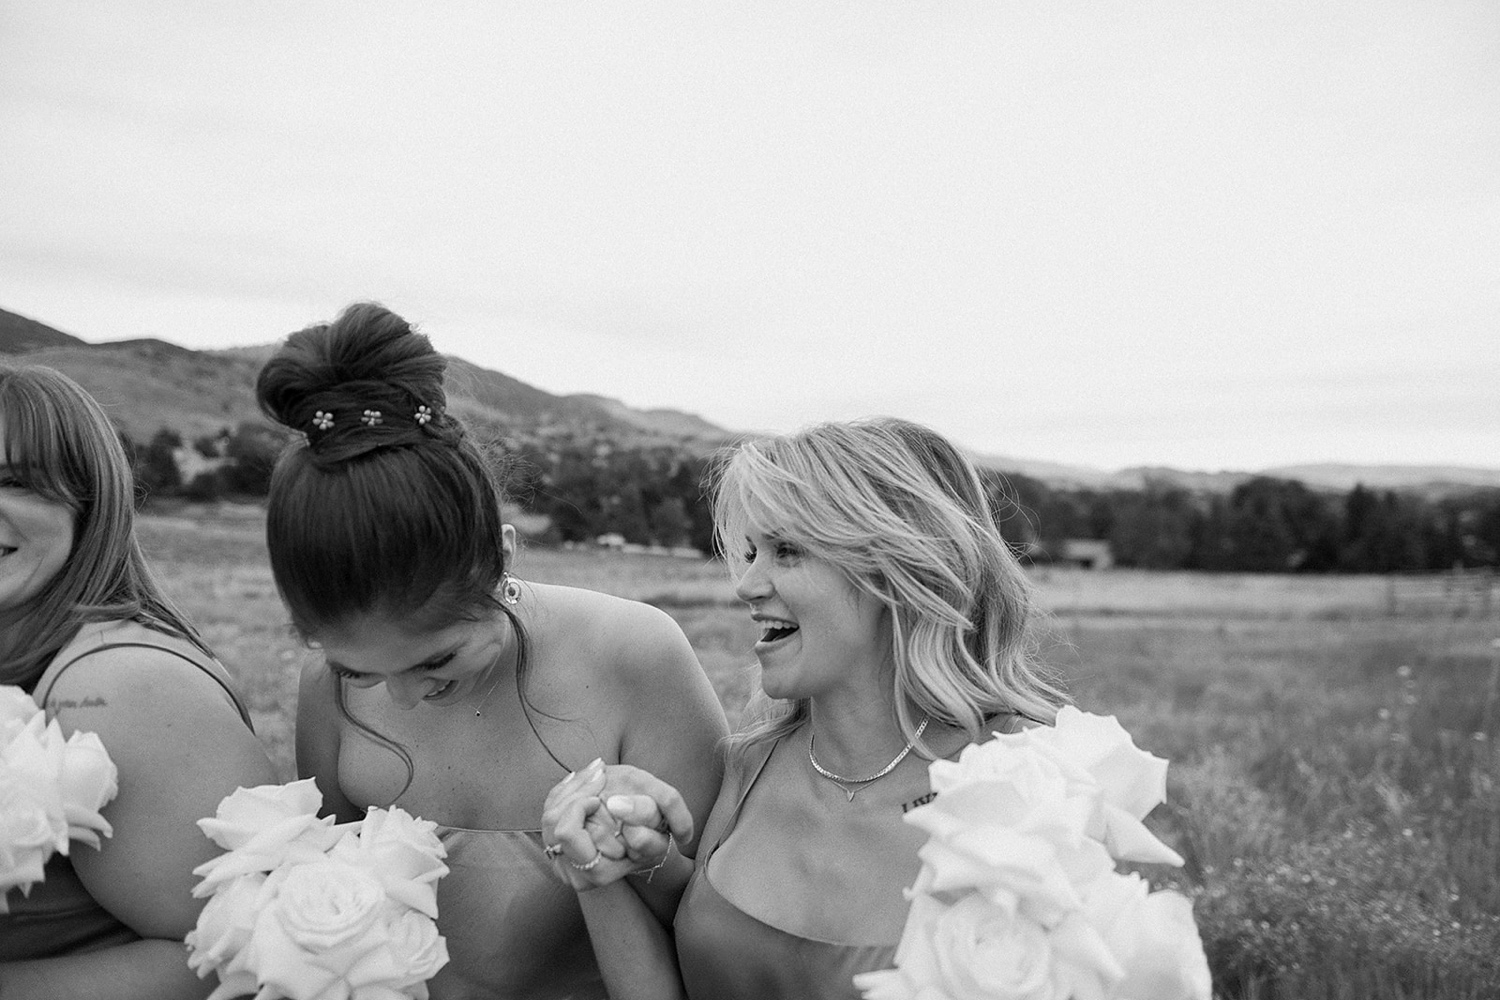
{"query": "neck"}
{"type": "Point", "coordinates": [503, 665]}
{"type": "Point", "coordinates": [855, 737]}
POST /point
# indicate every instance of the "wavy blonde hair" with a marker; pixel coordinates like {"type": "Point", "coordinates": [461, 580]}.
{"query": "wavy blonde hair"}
{"type": "Point", "coordinates": [904, 515]}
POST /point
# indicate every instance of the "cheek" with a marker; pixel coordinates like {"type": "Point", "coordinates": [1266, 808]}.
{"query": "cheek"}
{"type": "Point", "coordinates": [58, 538]}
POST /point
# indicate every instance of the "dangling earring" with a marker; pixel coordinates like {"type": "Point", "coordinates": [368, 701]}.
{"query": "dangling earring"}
{"type": "Point", "coordinates": [510, 590]}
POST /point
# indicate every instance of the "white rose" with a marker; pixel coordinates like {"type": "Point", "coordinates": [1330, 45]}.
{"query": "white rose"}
{"type": "Point", "coordinates": [34, 755]}
{"type": "Point", "coordinates": [248, 812]}
{"type": "Point", "coordinates": [1154, 936]}
{"type": "Point", "coordinates": [973, 950]}
{"type": "Point", "coordinates": [402, 852]}
{"type": "Point", "coordinates": [1010, 830]}
{"type": "Point", "coordinates": [418, 948]}
{"type": "Point", "coordinates": [29, 834]}
{"type": "Point", "coordinates": [264, 828]}
{"type": "Point", "coordinates": [1035, 775]}
{"type": "Point", "coordinates": [33, 760]}
{"type": "Point", "coordinates": [321, 936]}
{"type": "Point", "coordinates": [1131, 782]}
{"type": "Point", "coordinates": [224, 927]}
{"type": "Point", "coordinates": [16, 709]}
{"type": "Point", "coordinates": [88, 781]}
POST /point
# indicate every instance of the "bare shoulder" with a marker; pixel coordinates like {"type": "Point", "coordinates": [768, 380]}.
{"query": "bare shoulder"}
{"type": "Point", "coordinates": [141, 692]}
{"type": "Point", "coordinates": [620, 639]}
{"type": "Point", "coordinates": [180, 747]}
{"type": "Point", "coordinates": [315, 691]}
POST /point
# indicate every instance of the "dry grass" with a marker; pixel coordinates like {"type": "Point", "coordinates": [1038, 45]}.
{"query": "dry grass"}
{"type": "Point", "coordinates": [1335, 769]}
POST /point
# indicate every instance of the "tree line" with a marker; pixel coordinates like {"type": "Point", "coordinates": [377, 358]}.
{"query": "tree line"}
{"type": "Point", "coordinates": [1262, 525]}
{"type": "Point", "coordinates": [587, 487]}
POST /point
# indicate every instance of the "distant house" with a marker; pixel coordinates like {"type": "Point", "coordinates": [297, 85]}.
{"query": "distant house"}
{"type": "Point", "coordinates": [611, 540]}
{"type": "Point", "coordinates": [1088, 553]}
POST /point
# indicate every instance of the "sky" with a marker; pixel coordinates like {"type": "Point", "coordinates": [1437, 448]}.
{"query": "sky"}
{"type": "Point", "coordinates": [1232, 235]}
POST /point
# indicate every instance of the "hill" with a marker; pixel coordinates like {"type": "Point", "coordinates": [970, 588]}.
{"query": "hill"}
{"type": "Point", "coordinates": [1431, 481]}
{"type": "Point", "coordinates": [149, 384]}
{"type": "Point", "coordinates": [19, 334]}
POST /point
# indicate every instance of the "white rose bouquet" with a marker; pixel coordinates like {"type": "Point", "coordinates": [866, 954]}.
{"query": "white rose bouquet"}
{"type": "Point", "coordinates": [1018, 897]}
{"type": "Point", "coordinates": [51, 791]}
{"type": "Point", "coordinates": [307, 909]}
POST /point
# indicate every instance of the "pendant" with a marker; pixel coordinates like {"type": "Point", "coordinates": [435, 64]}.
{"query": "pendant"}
{"type": "Point", "coordinates": [848, 791]}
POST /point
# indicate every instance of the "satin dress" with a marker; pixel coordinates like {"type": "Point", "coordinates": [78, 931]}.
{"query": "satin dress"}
{"type": "Point", "coordinates": [514, 930]}
{"type": "Point", "coordinates": [726, 954]}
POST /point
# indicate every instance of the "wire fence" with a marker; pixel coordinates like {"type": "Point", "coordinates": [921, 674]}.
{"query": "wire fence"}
{"type": "Point", "coordinates": [1461, 593]}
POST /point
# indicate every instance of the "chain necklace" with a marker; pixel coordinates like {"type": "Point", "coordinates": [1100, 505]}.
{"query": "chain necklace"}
{"type": "Point", "coordinates": [851, 786]}
{"type": "Point", "coordinates": [493, 684]}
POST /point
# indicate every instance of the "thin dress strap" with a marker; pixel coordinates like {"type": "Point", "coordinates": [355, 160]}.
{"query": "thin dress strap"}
{"type": "Point", "coordinates": [734, 815]}
{"type": "Point", "coordinates": [40, 696]}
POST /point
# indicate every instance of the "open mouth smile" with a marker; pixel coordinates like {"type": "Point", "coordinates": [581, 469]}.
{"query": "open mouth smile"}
{"type": "Point", "coordinates": [775, 629]}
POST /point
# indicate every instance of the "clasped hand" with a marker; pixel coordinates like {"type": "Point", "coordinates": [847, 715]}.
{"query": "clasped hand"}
{"type": "Point", "coordinates": [608, 820]}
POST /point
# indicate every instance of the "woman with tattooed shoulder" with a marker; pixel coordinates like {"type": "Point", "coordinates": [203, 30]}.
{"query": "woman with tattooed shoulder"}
{"type": "Point", "coordinates": [895, 629]}
{"type": "Point", "coordinates": [86, 630]}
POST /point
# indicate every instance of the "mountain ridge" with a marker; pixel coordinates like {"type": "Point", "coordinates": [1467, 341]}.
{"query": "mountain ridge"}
{"type": "Point", "coordinates": [148, 383]}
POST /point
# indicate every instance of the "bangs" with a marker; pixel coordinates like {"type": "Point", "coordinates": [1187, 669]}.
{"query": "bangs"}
{"type": "Point", "coordinates": [758, 492]}
{"type": "Point", "coordinates": [38, 455]}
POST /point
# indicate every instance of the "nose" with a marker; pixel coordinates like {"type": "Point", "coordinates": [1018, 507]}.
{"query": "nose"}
{"type": "Point", "coordinates": [405, 691]}
{"type": "Point", "coordinates": [754, 583]}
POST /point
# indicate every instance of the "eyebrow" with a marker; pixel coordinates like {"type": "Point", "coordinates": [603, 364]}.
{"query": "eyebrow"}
{"type": "Point", "coordinates": [336, 665]}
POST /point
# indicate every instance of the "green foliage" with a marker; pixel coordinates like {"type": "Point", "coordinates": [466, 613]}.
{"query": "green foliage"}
{"type": "Point", "coordinates": [1264, 525]}
{"type": "Point", "coordinates": [156, 471]}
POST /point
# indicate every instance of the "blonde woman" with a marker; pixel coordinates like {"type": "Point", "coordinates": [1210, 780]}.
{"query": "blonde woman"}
{"type": "Point", "coordinates": [896, 627]}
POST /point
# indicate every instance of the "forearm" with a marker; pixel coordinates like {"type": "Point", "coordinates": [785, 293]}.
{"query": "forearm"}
{"type": "Point", "coordinates": [636, 953]}
{"type": "Point", "coordinates": [153, 969]}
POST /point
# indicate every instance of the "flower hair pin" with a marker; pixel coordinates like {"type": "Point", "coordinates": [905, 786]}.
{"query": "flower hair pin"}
{"type": "Point", "coordinates": [420, 416]}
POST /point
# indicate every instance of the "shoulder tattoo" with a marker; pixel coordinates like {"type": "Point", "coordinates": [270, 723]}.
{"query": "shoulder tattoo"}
{"type": "Point", "coordinates": [58, 704]}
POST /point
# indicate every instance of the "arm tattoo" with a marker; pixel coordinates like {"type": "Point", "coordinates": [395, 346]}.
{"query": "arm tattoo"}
{"type": "Point", "coordinates": [58, 704]}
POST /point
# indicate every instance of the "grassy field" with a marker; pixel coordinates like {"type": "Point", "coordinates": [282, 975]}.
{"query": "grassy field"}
{"type": "Point", "coordinates": [1335, 769]}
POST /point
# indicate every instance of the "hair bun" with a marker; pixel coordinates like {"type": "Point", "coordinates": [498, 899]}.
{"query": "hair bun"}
{"type": "Point", "coordinates": [364, 381]}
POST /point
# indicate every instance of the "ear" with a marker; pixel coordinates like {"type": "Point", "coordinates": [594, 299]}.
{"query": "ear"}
{"type": "Point", "coordinates": [508, 543]}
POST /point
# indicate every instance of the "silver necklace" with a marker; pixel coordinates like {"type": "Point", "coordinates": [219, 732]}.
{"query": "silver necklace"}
{"type": "Point", "coordinates": [851, 786]}
{"type": "Point", "coordinates": [493, 684]}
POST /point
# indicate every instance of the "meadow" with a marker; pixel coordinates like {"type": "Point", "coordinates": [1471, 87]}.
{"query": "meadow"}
{"type": "Point", "coordinates": [1335, 780]}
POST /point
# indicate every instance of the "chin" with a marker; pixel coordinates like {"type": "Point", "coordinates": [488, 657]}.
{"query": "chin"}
{"type": "Point", "coordinates": [778, 688]}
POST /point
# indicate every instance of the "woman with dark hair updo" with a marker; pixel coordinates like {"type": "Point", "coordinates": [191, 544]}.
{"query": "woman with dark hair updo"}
{"type": "Point", "coordinates": [458, 691]}
{"type": "Point", "coordinates": [896, 628]}
{"type": "Point", "coordinates": [86, 630]}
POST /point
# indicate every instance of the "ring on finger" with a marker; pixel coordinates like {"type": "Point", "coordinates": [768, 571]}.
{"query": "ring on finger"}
{"type": "Point", "coordinates": [552, 850]}
{"type": "Point", "coordinates": [591, 865]}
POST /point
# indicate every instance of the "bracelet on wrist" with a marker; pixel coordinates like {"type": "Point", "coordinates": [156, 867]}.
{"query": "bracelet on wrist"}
{"type": "Point", "coordinates": [650, 873]}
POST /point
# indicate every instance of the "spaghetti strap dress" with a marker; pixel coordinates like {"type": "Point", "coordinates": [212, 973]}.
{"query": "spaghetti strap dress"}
{"type": "Point", "coordinates": [60, 917]}
{"type": "Point", "coordinates": [726, 954]}
{"type": "Point", "coordinates": [514, 930]}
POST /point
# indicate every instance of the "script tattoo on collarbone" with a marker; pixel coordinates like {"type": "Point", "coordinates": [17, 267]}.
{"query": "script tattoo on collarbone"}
{"type": "Point", "coordinates": [920, 800]}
